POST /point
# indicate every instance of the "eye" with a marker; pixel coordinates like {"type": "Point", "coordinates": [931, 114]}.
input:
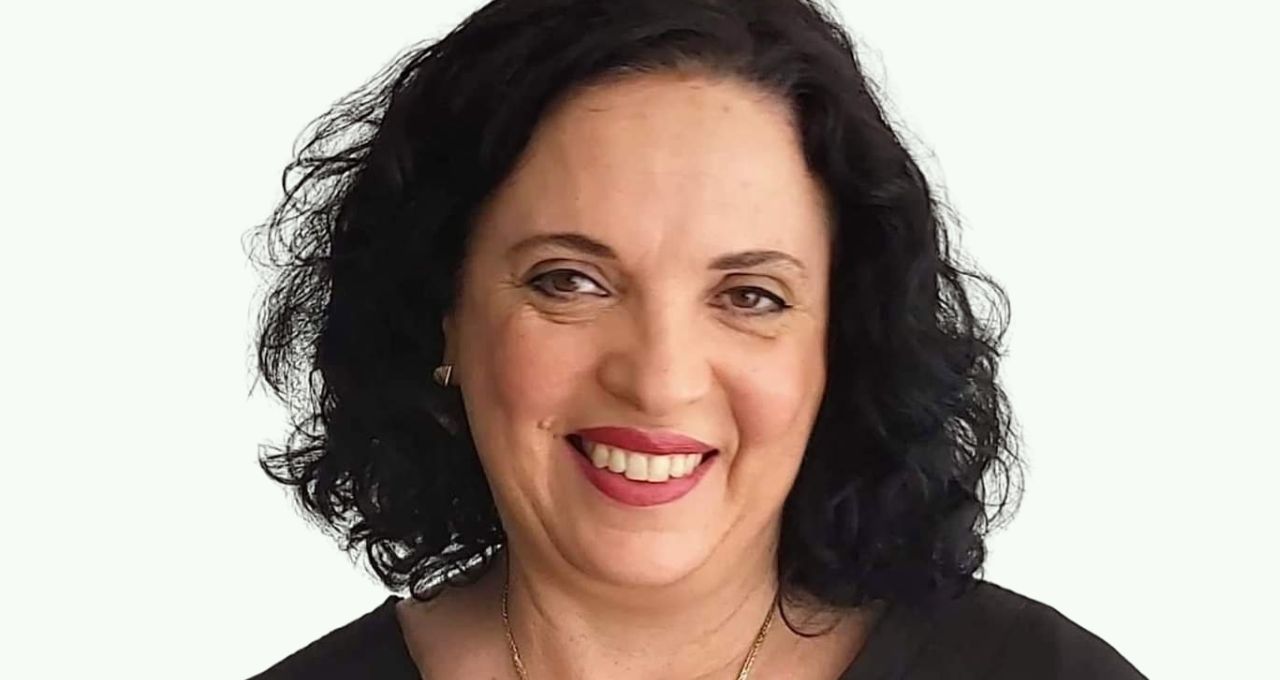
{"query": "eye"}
{"type": "Point", "coordinates": [753, 301]}
{"type": "Point", "coordinates": [565, 283]}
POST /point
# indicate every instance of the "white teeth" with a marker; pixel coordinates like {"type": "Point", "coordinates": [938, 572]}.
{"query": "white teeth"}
{"type": "Point", "coordinates": [600, 456]}
{"type": "Point", "coordinates": [637, 467]}
{"type": "Point", "coordinates": [617, 460]}
{"type": "Point", "coordinates": [659, 468]}
{"type": "Point", "coordinates": [642, 467]}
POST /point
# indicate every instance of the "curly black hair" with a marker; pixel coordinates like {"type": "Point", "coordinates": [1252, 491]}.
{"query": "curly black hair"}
{"type": "Point", "coordinates": [913, 456]}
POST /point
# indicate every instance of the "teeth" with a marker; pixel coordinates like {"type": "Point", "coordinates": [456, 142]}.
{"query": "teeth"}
{"type": "Point", "coordinates": [637, 467]}
{"type": "Point", "coordinates": [617, 460]}
{"type": "Point", "coordinates": [642, 467]}
{"type": "Point", "coordinates": [600, 456]}
{"type": "Point", "coordinates": [659, 468]}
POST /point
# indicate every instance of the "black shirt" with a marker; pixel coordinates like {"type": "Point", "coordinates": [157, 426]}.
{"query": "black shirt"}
{"type": "Point", "coordinates": [990, 633]}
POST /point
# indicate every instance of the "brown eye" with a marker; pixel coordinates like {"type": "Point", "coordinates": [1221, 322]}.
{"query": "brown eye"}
{"type": "Point", "coordinates": [563, 283]}
{"type": "Point", "coordinates": [752, 300]}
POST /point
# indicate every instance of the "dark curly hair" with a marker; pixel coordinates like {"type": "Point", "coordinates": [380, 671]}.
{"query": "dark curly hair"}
{"type": "Point", "coordinates": [913, 456]}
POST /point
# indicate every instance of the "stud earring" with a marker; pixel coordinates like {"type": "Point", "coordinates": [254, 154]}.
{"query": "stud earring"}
{"type": "Point", "coordinates": [442, 374]}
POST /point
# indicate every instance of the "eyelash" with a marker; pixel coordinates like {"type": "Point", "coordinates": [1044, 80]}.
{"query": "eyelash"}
{"type": "Point", "coordinates": [537, 284]}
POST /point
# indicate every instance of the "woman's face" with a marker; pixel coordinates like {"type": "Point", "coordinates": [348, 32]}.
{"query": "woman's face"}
{"type": "Point", "coordinates": [656, 265]}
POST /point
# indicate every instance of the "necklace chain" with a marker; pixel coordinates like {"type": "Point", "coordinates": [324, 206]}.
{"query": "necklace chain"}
{"type": "Point", "coordinates": [743, 673]}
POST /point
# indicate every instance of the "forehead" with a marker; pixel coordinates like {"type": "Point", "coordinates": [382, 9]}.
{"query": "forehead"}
{"type": "Point", "coordinates": [663, 159]}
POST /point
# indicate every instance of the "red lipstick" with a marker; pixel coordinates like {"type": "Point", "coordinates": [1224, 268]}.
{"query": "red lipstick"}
{"type": "Point", "coordinates": [656, 442]}
{"type": "Point", "coordinates": [653, 442]}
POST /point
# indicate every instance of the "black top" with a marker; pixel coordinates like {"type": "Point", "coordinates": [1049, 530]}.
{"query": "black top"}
{"type": "Point", "coordinates": [990, 633]}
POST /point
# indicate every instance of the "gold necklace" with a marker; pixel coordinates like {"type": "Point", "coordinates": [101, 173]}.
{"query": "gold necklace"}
{"type": "Point", "coordinates": [743, 673]}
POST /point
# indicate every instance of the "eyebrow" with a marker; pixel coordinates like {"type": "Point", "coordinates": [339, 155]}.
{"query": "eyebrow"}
{"type": "Point", "coordinates": [568, 239]}
{"type": "Point", "coordinates": [589, 246]}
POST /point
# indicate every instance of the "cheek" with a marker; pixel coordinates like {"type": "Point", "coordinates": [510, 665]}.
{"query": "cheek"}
{"type": "Point", "coordinates": [774, 403]}
{"type": "Point", "coordinates": [522, 380]}
{"type": "Point", "coordinates": [531, 370]}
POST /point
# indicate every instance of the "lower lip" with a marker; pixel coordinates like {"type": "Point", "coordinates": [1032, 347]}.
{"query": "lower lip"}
{"type": "Point", "coordinates": [638, 494]}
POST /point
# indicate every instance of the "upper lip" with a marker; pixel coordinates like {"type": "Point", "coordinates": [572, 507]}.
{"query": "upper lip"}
{"type": "Point", "coordinates": [644, 441]}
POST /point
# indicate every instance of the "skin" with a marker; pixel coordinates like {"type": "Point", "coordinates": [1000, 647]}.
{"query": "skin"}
{"type": "Point", "coordinates": [670, 173]}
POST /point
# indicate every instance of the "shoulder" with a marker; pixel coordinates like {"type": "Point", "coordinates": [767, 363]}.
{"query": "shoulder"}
{"type": "Point", "coordinates": [996, 633]}
{"type": "Point", "coordinates": [369, 646]}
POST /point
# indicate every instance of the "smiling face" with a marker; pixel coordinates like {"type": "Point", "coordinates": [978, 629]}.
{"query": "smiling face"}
{"type": "Point", "coordinates": [656, 262]}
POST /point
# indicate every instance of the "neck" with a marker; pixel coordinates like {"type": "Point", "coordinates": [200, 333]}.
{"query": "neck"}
{"type": "Point", "coordinates": [701, 627]}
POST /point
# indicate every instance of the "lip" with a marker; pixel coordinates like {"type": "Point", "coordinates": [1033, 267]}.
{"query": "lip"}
{"type": "Point", "coordinates": [637, 494]}
{"type": "Point", "coordinates": [658, 442]}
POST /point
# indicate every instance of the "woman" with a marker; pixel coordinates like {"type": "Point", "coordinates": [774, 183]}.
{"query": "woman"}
{"type": "Point", "coordinates": [636, 350]}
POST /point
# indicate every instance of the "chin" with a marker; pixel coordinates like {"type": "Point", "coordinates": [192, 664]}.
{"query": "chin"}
{"type": "Point", "coordinates": [641, 559]}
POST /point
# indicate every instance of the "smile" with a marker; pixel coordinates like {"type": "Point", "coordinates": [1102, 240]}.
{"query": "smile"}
{"type": "Point", "coordinates": [637, 466]}
{"type": "Point", "coordinates": [669, 469]}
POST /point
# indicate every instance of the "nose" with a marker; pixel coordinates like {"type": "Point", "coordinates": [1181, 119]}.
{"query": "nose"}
{"type": "Point", "coordinates": [656, 361]}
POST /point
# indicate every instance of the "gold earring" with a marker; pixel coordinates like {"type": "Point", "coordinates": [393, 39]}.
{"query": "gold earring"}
{"type": "Point", "coordinates": [442, 374]}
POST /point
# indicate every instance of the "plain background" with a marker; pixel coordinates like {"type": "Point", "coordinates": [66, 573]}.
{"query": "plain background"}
{"type": "Point", "coordinates": [1113, 162]}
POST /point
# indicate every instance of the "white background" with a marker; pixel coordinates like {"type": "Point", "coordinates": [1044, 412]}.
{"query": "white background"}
{"type": "Point", "coordinates": [1114, 164]}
